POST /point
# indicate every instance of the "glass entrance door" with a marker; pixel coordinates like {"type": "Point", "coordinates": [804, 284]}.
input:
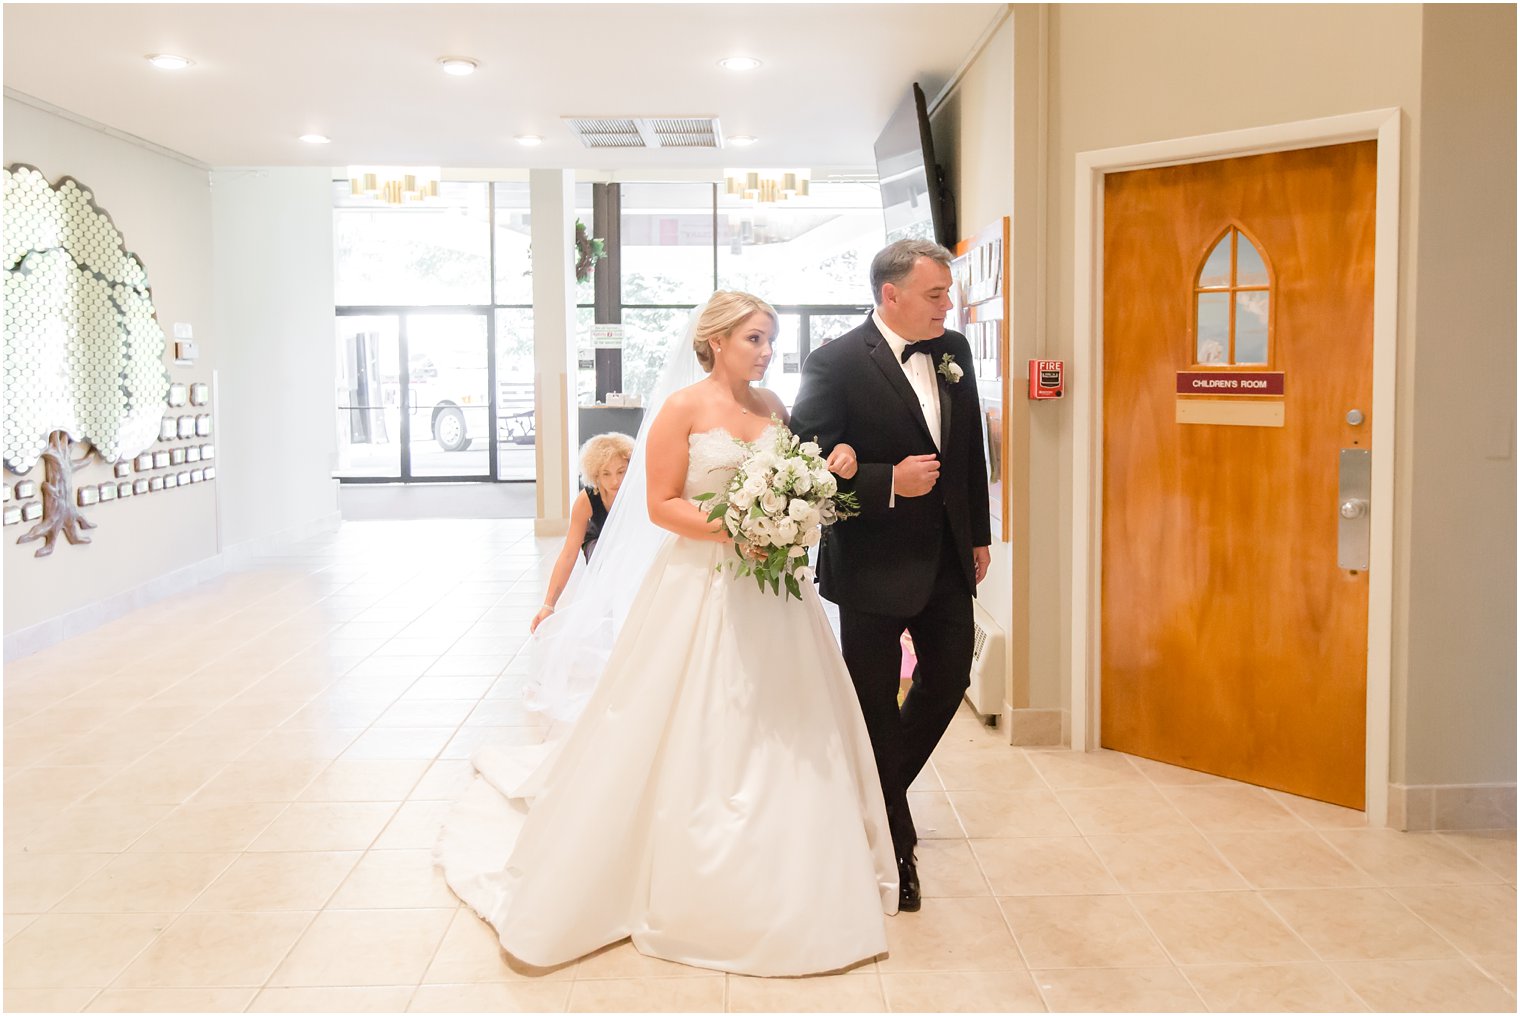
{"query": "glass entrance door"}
{"type": "Point", "coordinates": [448, 396]}
{"type": "Point", "coordinates": [433, 421]}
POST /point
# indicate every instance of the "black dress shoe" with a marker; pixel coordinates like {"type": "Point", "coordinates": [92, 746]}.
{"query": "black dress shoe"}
{"type": "Point", "coordinates": [908, 898]}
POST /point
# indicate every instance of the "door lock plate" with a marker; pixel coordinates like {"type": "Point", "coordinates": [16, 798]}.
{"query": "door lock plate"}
{"type": "Point", "coordinates": [1355, 509]}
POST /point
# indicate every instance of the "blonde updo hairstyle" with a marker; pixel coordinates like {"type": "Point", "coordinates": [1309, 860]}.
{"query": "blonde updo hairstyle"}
{"type": "Point", "coordinates": [599, 451]}
{"type": "Point", "coordinates": [727, 310]}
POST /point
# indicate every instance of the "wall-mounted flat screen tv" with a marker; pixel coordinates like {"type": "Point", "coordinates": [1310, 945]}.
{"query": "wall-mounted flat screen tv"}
{"type": "Point", "coordinates": [914, 199]}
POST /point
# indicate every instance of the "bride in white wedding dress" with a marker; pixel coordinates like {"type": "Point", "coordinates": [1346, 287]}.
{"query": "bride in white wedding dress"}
{"type": "Point", "coordinates": [717, 800]}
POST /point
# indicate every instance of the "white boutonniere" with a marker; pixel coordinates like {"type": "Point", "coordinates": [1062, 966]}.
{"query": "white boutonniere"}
{"type": "Point", "coordinates": [949, 369]}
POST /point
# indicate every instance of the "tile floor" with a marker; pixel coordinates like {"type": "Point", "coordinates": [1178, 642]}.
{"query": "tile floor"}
{"type": "Point", "coordinates": [226, 802]}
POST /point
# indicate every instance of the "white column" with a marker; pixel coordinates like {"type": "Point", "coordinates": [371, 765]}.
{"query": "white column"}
{"type": "Point", "coordinates": [552, 205]}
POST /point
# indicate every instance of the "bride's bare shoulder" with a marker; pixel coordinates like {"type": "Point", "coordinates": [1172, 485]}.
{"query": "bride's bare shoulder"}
{"type": "Point", "coordinates": [679, 411]}
{"type": "Point", "coordinates": [683, 404]}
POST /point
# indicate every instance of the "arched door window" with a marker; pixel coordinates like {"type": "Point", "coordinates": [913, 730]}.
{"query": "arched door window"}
{"type": "Point", "coordinates": [1233, 304]}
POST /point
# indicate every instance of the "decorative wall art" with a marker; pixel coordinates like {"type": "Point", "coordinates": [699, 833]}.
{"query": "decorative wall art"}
{"type": "Point", "coordinates": [200, 393]}
{"type": "Point", "coordinates": [186, 426]}
{"type": "Point", "coordinates": [31, 511]}
{"type": "Point", "coordinates": [141, 486]}
{"type": "Point", "coordinates": [143, 462]}
{"type": "Point", "coordinates": [86, 496]}
{"type": "Point", "coordinates": [160, 460]}
{"type": "Point", "coordinates": [26, 489]}
{"type": "Point", "coordinates": [209, 472]}
{"type": "Point", "coordinates": [168, 429]}
{"type": "Point", "coordinates": [123, 469]}
{"type": "Point", "coordinates": [179, 394]}
{"type": "Point", "coordinates": [125, 489]}
{"type": "Point", "coordinates": [176, 456]}
{"type": "Point", "coordinates": [203, 425]}
{"type": "Point", "coordinates": [208, 451]}
{"type": "Point", "coordinates": [193, 453]}
{"type": "Point", "coordinates": [12, 514]}
{"type": "Point", "coordinates": [84, 369]}
{"type": "Point", "coordinates": [107, 492]}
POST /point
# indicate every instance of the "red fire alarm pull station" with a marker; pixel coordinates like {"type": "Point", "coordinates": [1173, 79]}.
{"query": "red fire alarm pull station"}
{"type": "Point", "coordinates": [1047, 379]}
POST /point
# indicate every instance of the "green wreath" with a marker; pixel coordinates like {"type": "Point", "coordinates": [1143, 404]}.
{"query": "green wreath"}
{"type": "Point", "coordinates": [588, 251]}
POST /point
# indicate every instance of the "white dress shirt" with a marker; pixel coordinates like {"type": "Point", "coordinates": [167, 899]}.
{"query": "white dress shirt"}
{"type": "Point", "coordinates": [920, 374]}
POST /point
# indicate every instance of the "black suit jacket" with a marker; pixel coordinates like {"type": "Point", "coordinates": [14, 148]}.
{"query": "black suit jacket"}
{"type": "Point", "coordinates": [884, 560]}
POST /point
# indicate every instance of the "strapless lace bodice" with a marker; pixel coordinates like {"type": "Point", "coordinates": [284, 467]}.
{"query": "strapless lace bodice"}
{"type": "Point", "coordinates": [714, 457]}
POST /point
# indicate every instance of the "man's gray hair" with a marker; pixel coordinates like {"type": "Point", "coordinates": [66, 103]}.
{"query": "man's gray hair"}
{"type": "Point", "coordinates": [894, 261]}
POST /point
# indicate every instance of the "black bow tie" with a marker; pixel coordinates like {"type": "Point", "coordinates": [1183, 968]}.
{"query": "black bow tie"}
{"type": "Point", "coordinates": [929, 347]}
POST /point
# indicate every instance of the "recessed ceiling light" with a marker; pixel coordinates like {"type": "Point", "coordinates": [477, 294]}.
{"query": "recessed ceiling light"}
{"type": "Point", "coordinates": [458, 65]}
{"type": "Point", "coordinates": [742, 139]}
{"type": "Point", "coordinates": [529, 140]}
{"type": "Point", "coordinates": [168, 61]}
{"type": "Point", "coordinates": [316, 139]}
{"type": "Point", "coordinates": [739, 63]}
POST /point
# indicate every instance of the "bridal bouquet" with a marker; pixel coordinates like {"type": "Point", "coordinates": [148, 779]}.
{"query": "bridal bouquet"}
{"type": "Point", "coordinates": [775, 508]}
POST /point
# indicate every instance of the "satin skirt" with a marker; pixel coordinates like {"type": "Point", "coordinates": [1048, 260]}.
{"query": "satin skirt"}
{"type": "Point", "coordinates": [717, 801]}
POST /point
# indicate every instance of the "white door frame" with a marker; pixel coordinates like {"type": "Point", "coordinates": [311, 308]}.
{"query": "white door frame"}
{"type": "Point", "coordinates": [1086, 386]}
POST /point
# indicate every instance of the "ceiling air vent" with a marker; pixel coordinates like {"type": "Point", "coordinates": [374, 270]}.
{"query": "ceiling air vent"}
{"type": "Point", "coordinates": [647, 132]}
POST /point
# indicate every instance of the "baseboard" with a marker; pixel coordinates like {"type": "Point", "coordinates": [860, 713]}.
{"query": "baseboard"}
{"type": "Point", "coordinates": [1036, 727]}
{"type": "Point", "coordinates": [26, 641]}
{"type": "Point", "coordinates": [1416, 808]}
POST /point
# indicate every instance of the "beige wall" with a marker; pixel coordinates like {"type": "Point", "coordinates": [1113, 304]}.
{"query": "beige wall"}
{"type": "Point", "coordinates": [163, 208]}
{"type": "Point", "coordinates": [1459, 720]}
{"type": "Point", "coordinates": [973, 133]}
{"type": "Point", "coordinates": [1109, 76]}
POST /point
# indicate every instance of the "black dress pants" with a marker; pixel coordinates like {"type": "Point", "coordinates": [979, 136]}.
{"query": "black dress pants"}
{"type": "Point", "coordinates": [904, 737]}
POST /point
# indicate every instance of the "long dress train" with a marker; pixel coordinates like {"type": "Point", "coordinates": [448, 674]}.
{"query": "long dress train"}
{"type": "Point", "coordinates": [717, 801]}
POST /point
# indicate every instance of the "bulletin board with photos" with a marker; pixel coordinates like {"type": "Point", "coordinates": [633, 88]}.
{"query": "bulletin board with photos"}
{"type": "Point", "coordinates": [980, 291]}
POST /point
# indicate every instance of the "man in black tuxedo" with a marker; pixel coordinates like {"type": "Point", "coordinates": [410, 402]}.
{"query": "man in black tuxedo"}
{"type": "Point", "coordinates": [900, 390]}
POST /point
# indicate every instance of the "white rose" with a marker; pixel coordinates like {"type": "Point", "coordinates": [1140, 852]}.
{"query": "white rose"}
{"type": "Point", "coordinates": [811, 519]}
{"type": "Point", "coordinates": [754, 483]}
{"type": "Point", "coordinates": [773, 502]}
{"type": "Point", "coordinates": [763, 462]}
{"type": "Point", "coordinates": [803, 482]}
{"type": "Point", "coordinates": [810, 449]}
{"type": "Point", "coordinates": [786, 531]}
{"type": "Point", "coordinates": [798, 509]}
{"type": "Point", "coordinates": [798, 551]}
{"type": "Point", "coordinates": [741, 499]}
{"type": "Point", "coordinates": [810, 538]}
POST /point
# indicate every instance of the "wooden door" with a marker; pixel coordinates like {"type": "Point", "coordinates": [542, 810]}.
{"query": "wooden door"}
{"type": "Point", "coordinates": [1232, 642]}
